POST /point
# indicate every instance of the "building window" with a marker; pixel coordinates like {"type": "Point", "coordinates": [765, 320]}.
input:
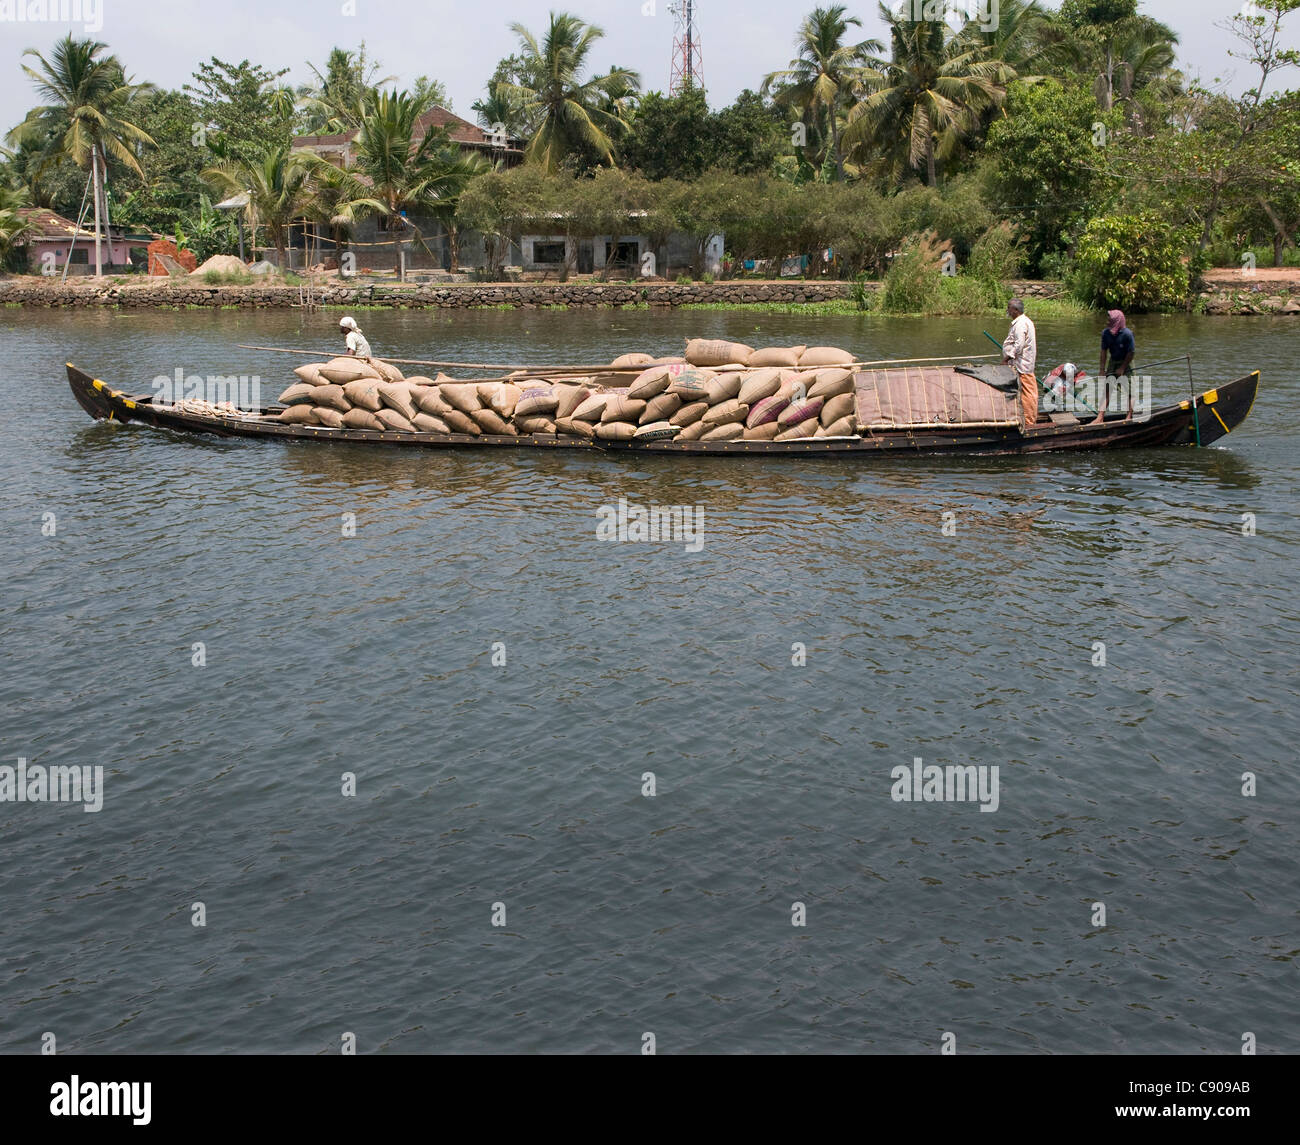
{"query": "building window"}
{"type": "Point", "coordinates": [80, 256]}
{"type": "Point", "coordinates": [549, 253]}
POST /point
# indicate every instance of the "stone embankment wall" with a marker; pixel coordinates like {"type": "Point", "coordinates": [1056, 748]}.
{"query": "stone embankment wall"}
{"type": "Point", "coordinates": [172, 294]}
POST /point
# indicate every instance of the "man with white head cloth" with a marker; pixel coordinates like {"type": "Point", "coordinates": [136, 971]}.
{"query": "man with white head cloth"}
{"type": "Point", "coordinates": [357, 345]}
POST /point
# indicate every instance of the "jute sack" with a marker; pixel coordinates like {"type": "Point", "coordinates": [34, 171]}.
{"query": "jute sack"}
{"type": "Point", "coordinates": [500, 397]}
{"type": "Point", "coordinates": [650, 384]}
{"type": "Point", "coordinates": [358, 418]}
{"type": "Point", "coordinates": [461, 423]}
{"type": "Point", "coordinates": [393, 420]}
{"type": "Point", "coordinates": [759, 385]}
{"type": "Point", "coordinates": [655, 431]}
{"type": "Point", "coordinates": [798, 412]}
{"type": "Point", "coordinates": [714, 352]}
{"type": "Point", "coordinates": [364, 395]}
{"type": "Point", "coordinates": [722, 389]}
{"type": "Point", "coordinates": [825, 356]}
{"type": "Point", "coordinates": [462, 396]}
{"type": "Point", "coordinates": [430, 400]}
{"type": "Point", "coordinates": [340, 371]}
{"type": "Point", "coordinates": [620, 408]}
{"type": "Point", "coordinates": [568, 399]}
{"type": "Point", "coordinates": [841, 405]}
{"type": "Point", "coordinates": [766, 411]}
{"type": "Point", "coordinates": [689, 383]}
{"type": "Point", "coordinates": [616, 431]}
{"type": "Point", "coordinates": [804, 429]}
{"type": "Point", "coordinates": [765, 432]}
{"type": "Point", "coordinates": [331, 397]}
{"type": "Point", "coordinates": [420, 380]}
{"type": "Point", "coordinates": [427, 423]}
{"type": "Point", "coordinates": [572, 428]}
{"type": "Point", "coordinates": [777, 356]}
{"type": "Point", "coordinates": [538, 401]}
{"type": "Point", "coordinates": [491, 422]}
{"type": "Point", "coordinates": [842, 427]}
{"type": "Point", "coordinates": [591, 408]}
{"type": "Point", "coordinates": [727, 432]}
{"type": "Point", "coordinates": [693, 432]}
{"type": "Point", "coordinates": [829, 383]}
{"type": "Point", "coordinates": [310, 374]}
{"type": "Point", "coordinates": [297, 394]}
{"type": "Point", "coordinates": [726, 413]}
{"type": "Point", "coordinates": [632, 360]}
{"type": "Point", "coordinates": [536, 424]}
{"type": "Point", "coordinates": [323, 415]}
{"type": "Point", "coordinates": [689, 414]}
{"type": "Point", "coordinates": [661, 408]}
{"type": "Point", "coordinates": [385, 371]}
{"type": "Point", "coordinates": [300, 414]}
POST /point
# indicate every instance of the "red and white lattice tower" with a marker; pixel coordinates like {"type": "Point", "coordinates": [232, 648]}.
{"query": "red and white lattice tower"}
{"type": "Point", "coordinates": [688, 57]}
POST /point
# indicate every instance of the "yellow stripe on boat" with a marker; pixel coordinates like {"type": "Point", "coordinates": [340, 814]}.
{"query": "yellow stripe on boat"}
{"type": "Point", "coordinates": [1210, 397]}
{"type": "Point", "coordinates": [1221, 421]}
{"type": "Point", "coordinates": [128, 403]}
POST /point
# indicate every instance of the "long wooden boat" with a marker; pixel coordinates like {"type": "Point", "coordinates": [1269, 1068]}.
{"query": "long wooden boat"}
{"type": "Point", "coordinates": [1213, 414]}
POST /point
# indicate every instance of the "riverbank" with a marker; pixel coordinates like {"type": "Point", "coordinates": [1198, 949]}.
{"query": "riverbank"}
{"type": "Point", "coordinates": [1259, 295]}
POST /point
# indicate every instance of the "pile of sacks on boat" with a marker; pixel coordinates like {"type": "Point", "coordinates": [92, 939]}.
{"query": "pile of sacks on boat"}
{"type": "Point", "coordinates": [719, 391]}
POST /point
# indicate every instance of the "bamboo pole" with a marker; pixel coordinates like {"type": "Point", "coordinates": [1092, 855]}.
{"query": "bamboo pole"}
{"type": "Point", "coordinates": [545, 370]}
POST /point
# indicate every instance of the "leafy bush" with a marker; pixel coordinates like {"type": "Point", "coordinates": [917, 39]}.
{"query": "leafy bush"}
{"type": "Point", "coordinates": [912, 283]}
{"type": "Point", "coordinates": [1133, 262]}
{"type": "Point", "coordinates": [227, 278]}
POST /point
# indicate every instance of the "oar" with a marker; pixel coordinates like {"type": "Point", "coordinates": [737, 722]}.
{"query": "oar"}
{"type": "Point", "coordinates": [582, 370]}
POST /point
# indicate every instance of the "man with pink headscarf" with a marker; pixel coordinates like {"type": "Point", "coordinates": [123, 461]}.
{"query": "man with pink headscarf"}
{"type": "Point", "coordinates": [1118, 342]}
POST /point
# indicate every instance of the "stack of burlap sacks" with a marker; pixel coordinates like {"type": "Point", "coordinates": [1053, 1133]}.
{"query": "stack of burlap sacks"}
{"type": "Point", "coordinates": [720, 391]}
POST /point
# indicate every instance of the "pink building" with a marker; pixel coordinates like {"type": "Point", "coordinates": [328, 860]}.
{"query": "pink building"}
{"type": "Point", "coordinates": [56, 241]}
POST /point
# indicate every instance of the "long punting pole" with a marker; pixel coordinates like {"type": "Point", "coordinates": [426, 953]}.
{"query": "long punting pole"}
{"type": "Point", "coordinates": [590, 369]}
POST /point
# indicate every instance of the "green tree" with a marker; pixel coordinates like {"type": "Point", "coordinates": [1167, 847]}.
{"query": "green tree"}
{"type": "Point", "coordinates": [1046, 164]}
{"type": "Point", "coordinates": [277, 186]}
{"type": "Point", "coordinates": [331, 103]}
{"type": "Point", "coordinates": [1133, 262]}
{"type": "Point", "coordinates": [567, 113]}
{"type": "Point", "coordinates": [14, 228]}
{"type": "Point", "coordinates": [238, 106]}
{"type": "Point", "coordinates": [926, 98]}
{"type": "Point", "coordinates": [409, 170]}
{"type": "Point", "coordinates": [819, 80]}
{"type": "Point", "coordinates": [89, 117]}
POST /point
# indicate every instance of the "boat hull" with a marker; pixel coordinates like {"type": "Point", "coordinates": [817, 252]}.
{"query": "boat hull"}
{"type": "Point", "coordinates": [1214, 414]}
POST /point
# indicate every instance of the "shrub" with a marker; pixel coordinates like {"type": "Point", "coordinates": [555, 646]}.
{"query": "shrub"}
{"type": "Point", "coordinates": [1133, 262]}
{"type": "Point", "coordinates": [912, 283]}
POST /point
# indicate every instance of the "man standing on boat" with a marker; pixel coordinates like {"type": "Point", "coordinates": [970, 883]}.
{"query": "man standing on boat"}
{"type": "Point", "coordinates": [1020, 352]}
{"type": "Point", "coordinates": [357, 345]}
{"type": "Point", "coordinates": [1116, 340]}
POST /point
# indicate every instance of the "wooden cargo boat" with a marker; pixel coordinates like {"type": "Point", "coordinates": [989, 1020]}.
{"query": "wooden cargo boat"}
{"type": "Point", "coordinates": [1199, 421]}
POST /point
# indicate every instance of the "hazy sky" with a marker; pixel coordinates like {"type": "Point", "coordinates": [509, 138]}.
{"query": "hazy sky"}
{"type": "Point", "coordinates": [460, 43]}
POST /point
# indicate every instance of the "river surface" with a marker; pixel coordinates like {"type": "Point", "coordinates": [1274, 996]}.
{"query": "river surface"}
{"type": "Point", "coordinates": [499, 682]}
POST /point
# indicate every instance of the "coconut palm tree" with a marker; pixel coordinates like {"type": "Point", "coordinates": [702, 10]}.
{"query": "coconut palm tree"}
{"type": "Point", "coordinates": [569, 114]}
{"type": "Point", "coordinates": [13, 226]}
{"type": "Point", "coordinates": [87, 116]}
{"type": "Point", "coordinates": [411, 170]}
{"type": "Point", "coordinates": [277, 189]}
{"type": "Point", "coordinates": [926, 98]}
{"type": "Point", "coordinates": [337, 199]}
{"type": "Point", "coordinates": [333, 103]}
{"type": "Point", "coordinates": [824, 72]}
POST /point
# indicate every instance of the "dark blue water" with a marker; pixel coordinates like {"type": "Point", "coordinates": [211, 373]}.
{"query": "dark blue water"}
{"type": "Point", "coordinates": [521, 784]}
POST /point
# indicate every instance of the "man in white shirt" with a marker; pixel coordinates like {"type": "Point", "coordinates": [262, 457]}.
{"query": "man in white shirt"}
{"type": "Point", "coordinates": [1020, 352]}
{"type": "Point", "coordinates": [357, 345]}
